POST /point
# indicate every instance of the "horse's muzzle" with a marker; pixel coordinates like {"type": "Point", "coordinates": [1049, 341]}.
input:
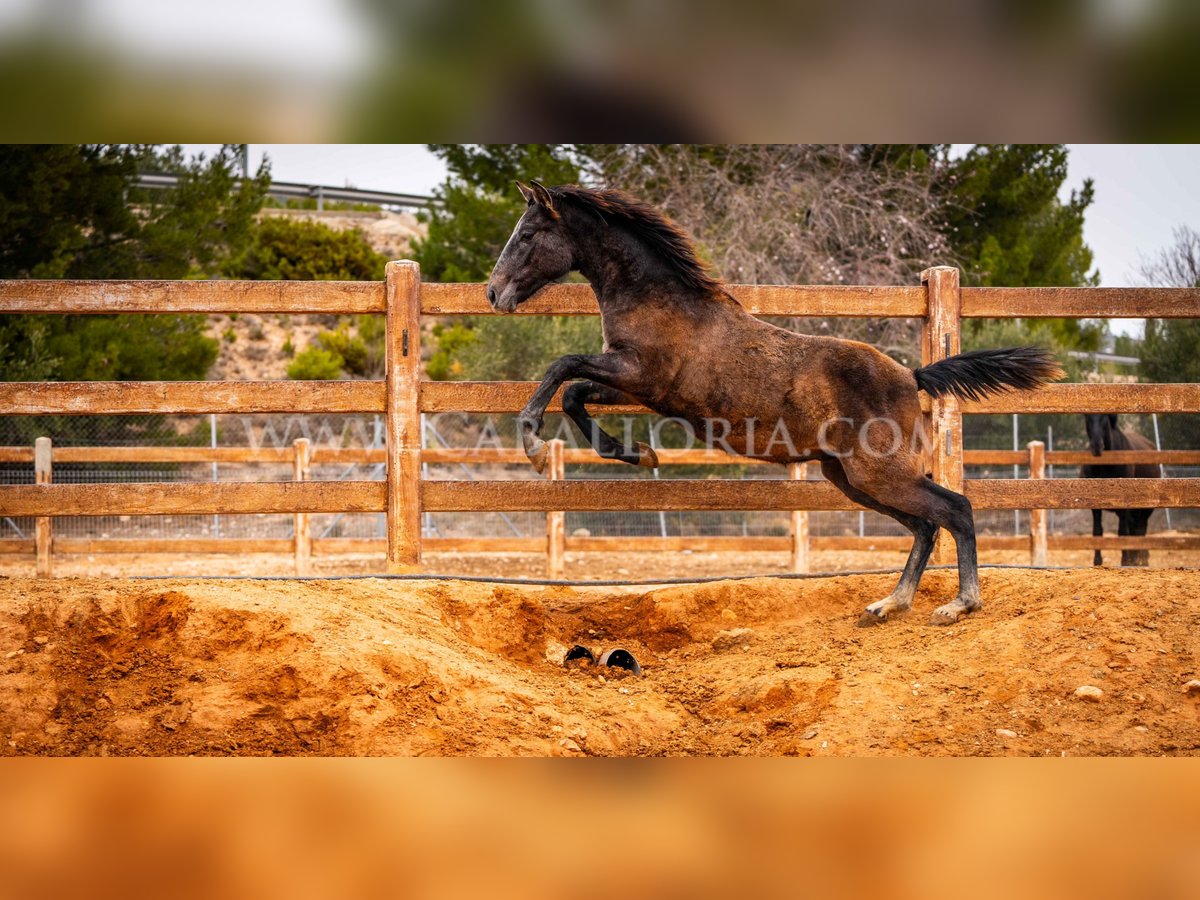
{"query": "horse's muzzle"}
{"type": "Point", "coordinates": [505, 301]}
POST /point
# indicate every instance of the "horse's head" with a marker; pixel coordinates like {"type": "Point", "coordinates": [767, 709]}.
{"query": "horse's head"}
{"type": "Point", "coordinates": [1100, 428]}
{"type": "Point", "coordinates": [540, 251]}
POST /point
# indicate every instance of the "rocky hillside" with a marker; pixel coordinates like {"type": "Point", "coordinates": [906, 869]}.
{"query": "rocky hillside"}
{"type": "Point", "coordinates": [254, 347]}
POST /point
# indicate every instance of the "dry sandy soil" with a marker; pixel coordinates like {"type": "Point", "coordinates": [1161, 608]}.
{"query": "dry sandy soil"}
{"type": "Point", "coordinates": [757, 667]}
{"type": "Point", "coordinates": [579, 566]}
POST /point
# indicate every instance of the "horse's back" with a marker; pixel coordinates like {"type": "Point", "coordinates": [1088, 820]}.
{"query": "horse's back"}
{"type": "Point", "coordinates": [1141, 442]}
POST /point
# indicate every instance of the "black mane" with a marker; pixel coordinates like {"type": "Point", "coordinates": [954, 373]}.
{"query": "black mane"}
{"type": "Point", "coordinates": [666, 238]}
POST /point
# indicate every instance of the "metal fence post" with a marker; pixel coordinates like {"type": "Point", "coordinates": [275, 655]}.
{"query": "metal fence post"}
{"type": "Point", "coordinates": [212, 442]}
{"type": "Point", "coordinates": [801, 557]}
{"type": "Point", "coordinates": [302, 535]}
{"type": "Point", "coordinates": [403, 287]}
{"type": "Point", "coordinates": [44, 538]}
{"type": "Point", "coordinates": [1037, 517]}
{"type": "Point", "coordinates": [1162, 470]}
{"type": "Point", "coordinates": [941, 338]}
{"type": "Point", "coordinates": [556, 519]}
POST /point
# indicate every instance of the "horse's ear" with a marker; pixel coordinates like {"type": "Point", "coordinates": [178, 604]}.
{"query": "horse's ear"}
{"type": "Point", "coordinates": [526, 192]}
{"type": "Point", "coordinates": [542, 195]}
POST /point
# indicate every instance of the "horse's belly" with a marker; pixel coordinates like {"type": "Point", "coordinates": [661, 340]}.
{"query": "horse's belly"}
{"type": "Point", "coordinates": [756, 433]}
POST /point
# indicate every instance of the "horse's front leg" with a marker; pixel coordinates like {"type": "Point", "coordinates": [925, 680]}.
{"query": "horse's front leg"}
{"type": "Point", "coordinates": [1097, 531]}
{"type": "Point", "coordinates": [614, 370]}
{"type": "Point", "coordinates": [575, 398]}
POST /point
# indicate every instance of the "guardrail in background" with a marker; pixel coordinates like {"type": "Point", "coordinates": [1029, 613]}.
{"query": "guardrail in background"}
{"type": "Point", "coordinates": [288, 190]}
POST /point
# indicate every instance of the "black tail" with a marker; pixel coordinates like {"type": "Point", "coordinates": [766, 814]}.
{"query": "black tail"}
{"type": "Point", "coordinates": [980, 373]}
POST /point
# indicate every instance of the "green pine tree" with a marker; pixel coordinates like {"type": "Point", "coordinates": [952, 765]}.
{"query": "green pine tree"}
{"type": "Point", "coordinates": [74, 211]}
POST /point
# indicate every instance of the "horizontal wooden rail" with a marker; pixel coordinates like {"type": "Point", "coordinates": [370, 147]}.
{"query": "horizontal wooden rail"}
{"type": "Point", "coordinates": [172, 455]}
{"type": "Point", "coordinates": [1124, 457]}
{"type": "Point", "coordinates": [348, 297]}
{"type": "Point", "coordinates": [633, 496]}
{"type": "Point", "coordinates": [325, 547]}
{"type": "Point", "coordinates": [511, 397]}
{"type": "Point", "coordinates": [196, 397]}
{"type": "Point", "coordinates": [191, 499]}
{"type": "Point", "coordinates": [1092, 398]}
{"type": "Point", "coordinates": [104, 297]}
{"type": "Point", "coordinates": [516, 456]}
{"type": "Point", "coordinates": [495, 397]}
{"type": "Point", "coordinates": [172, 545]}
{"type": "Point", "coordinates": [74, 398]}
{"type": "Point", "coordinates": [1083, 493]}
{"type": "Point", "coordinates": [758, 299]}
{"type": "Point", "coordinates": [682, 494]}
{"type": "Point", "coordinates": [1084, 457]}
{"type": "Point", "coordinates": [1123, 542]}
{"type": "Point", "coordinates": [995, 457]}
{"type": "Point", "coordinates": [1080, 303]}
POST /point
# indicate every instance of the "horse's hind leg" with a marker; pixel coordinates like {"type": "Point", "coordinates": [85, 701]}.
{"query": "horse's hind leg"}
{"type": "Point", "coordinates": [607, 446]}
{"type": "Point", "coordinates": [1097, 531]}
{"type": "Point", "coordinates": [911, 492]}
{"type": "Point", "coordinates": [1123, 531]}
{"type": "Point", "coordinates": [957, 517]}
{"type": "Point", "coordinates": [923, 531]}
{"type": "Point", "coordinates": [1137, 521]}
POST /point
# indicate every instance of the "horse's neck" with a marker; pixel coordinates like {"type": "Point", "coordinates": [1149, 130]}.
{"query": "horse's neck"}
{"type": "Point", "coordinates": [624, 273]}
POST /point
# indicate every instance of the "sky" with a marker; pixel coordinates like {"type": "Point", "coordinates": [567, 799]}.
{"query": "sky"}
{"type": "Point", "coordinates": [1143, 191]}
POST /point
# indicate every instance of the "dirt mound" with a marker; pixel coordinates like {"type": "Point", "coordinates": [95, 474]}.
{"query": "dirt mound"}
{"type": "Point", "coordinates": [760, 667]}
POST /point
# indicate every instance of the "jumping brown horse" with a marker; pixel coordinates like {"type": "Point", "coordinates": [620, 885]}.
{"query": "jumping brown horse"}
{"type": "Point", "coordinates": [677, 342]}
{"type": "Point", "coordinates": [1104, 434]}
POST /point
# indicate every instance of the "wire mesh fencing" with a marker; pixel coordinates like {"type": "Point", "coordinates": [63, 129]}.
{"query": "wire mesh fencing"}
{"type": "Point", "coordinates": [468, 432]}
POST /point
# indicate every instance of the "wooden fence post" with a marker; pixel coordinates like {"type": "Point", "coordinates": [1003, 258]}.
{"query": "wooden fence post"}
{"type": "Point", "coordinates": [44, 538]}
{"type": "Point", "coordinates": [1037, 517]}
{"type": "Point", "coordinates": [403, 284]}
{"type": "Point", "coordinates": [940, 339]}
{"type": "Point", "coordinates": [301, 533]}
{"type": "Point", "coordinates": [800, 544]}
{"type": "Point", "coordinates": [556, 520]}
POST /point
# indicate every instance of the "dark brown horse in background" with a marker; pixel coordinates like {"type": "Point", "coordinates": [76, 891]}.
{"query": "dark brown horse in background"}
{"type": "Point", "coordinates": [1104, 434]}
{"type": "Point", "coordinates": [677, 342]}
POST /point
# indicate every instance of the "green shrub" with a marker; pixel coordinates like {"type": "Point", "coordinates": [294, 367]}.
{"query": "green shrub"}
{"type": "Point", "coordinates": [445, 364]}
{"type": "Point", "coordinates": [315, 364]}
{"type": "Point", "coordinates": [230, 335]}
{"type": "Point", "coordinates": [351, 348]}
{"type": "Point", "coordinates": [289, 349]}
{"type": "Point", "coordinates": [298, 250]}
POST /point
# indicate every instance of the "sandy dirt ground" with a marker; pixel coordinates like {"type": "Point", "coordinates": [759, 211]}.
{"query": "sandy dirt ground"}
{"type": "Point", "coordinates": [579, 566]}
{"type": "Point", "coordinates": [121, 666]}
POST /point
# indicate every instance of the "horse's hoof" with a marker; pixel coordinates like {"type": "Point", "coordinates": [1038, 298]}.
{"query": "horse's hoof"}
{"type": "Point", "coordinates": [539, 455]}
{"type": "Point", "coordinates": [646, 455]}
{"type": "Point", "coordinates": [869, 618]}
{"type": "Point", "coordinates": [950, 613]}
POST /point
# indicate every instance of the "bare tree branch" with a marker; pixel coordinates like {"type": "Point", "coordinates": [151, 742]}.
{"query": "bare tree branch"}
{"type": "Point", "coordinates": [815, 214]}
{"type": "Point", "coordinates": [1177, 265]}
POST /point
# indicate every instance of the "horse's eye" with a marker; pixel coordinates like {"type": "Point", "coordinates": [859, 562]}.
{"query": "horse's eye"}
{"type": "Point", "coordinates": [526, 237]}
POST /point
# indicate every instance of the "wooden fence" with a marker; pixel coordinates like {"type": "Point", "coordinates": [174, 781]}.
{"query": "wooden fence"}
{"type": "Point", "coordinates": [402, 397]}
{"type": "Point", "coordinates": [798, 542]}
